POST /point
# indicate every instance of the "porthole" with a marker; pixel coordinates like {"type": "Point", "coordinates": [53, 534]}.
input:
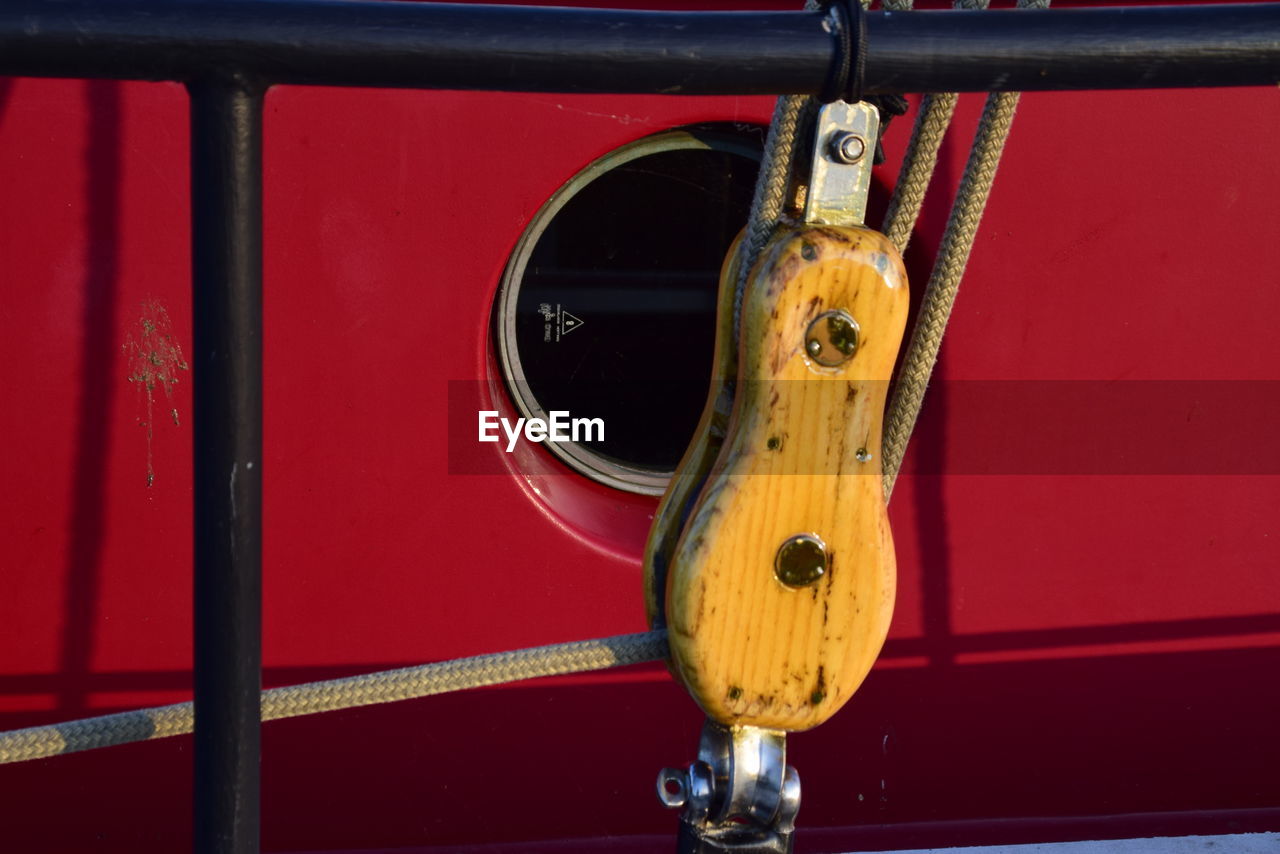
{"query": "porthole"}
{"type": "Point", "coordinates": [607, 304]}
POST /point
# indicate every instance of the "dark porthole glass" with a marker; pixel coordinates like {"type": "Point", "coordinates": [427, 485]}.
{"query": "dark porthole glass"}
{"type": "Point", "coordinates": [607, 307]}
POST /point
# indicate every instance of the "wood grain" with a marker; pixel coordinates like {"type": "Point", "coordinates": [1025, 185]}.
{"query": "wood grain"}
{"type": "Point", "coordinates": [802, 455]}
{"type": "Point", "coordinates": [703, 450]}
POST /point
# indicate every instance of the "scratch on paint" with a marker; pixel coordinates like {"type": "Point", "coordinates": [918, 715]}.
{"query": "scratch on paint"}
{"type": "Point", "coordinates": [231, 529]}
{"type": "Point", "coordinates": [154, 359]}
{"type": "Point", "coordinates": [619, 118]}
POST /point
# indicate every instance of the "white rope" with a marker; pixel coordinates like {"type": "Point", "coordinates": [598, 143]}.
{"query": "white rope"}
{"type": "Point", "coordinates": [366, 690]}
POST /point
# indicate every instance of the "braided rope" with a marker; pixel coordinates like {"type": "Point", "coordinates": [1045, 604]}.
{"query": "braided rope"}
{"type": "Point", "coordinates": [365, 690]}
{"type": "Point", "coordinates": [918, 166]}
{"type": "Point", "coordinates": [944, 283]}
{"type": "Point", "coordinates": [776, 163]}
{"type": "Point", "coordinates": [948, 269]}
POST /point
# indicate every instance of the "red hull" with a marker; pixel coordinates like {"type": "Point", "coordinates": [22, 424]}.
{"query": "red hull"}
{"type": "Point", "coordinates": [1076, 642]}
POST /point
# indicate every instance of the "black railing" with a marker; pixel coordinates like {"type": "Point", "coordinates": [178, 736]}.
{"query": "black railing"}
{"type": "Point", "coordinates": [226, 256]}
{"type": "Point", "coordinates": [230, 51]}
{"type": "Point", "coordinates": [520, 48]}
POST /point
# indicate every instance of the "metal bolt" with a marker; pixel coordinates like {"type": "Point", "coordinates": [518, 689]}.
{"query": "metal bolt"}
{"type": "Point", "coordinates": [801, 560]}
{"type": "Point", "coordinates": [848, 148]}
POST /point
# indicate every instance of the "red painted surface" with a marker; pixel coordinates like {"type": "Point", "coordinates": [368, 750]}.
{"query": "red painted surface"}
{"type": "Point", "coordinates": [1064, 645]}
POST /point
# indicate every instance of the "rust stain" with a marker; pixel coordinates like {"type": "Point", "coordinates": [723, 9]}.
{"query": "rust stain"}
{"type": "Point", "coordinates": [155, 358]}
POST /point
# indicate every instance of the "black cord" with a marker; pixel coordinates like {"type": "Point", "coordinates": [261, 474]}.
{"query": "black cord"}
{"type": "Point", "coordinates": [846, 75]}
{"type": "Point", "coordinates": [838, 72]}
{"type": "Point", "coordinates": [889, 106]}
{"type": "Point", "coordinates": [858, 17]}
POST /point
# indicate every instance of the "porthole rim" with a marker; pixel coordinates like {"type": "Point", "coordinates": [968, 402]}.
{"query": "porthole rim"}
{"type": "Point", "coordinates": [598, 467]}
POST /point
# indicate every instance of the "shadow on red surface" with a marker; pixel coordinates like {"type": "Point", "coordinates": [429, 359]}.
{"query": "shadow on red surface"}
{"type": "Point", "coordinates": [989, 746]}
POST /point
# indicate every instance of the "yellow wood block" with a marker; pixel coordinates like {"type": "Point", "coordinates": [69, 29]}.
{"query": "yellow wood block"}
{"type": "Point", "coordinates": [701, 454]}
{"type": "Point", "coordinates": [802, 457]}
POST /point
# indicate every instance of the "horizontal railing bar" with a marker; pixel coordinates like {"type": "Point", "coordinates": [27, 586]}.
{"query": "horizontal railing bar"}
{"type": "Point", "coordinates": [522, 48]}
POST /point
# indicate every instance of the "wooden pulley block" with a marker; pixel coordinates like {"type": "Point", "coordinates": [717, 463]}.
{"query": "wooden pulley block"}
{"type": "Point", "coordinates": [772, 544]}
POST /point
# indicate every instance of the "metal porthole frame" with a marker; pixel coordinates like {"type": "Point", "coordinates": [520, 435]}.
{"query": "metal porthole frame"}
{"type": "Point", "coordinates": [598, 467]}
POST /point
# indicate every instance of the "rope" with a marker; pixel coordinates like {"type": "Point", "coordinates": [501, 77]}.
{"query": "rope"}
{"type": "Point", "coordinates": [918, 165]}
{"type": "Point", "coordinates": [948, 268]}
{"type": "Point", "coordinates": [366, 690]}
{"type": "Point", "coordinates": [771, 189]}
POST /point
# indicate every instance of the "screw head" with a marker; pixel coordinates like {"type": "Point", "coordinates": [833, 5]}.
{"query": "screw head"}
{"type": "Point", "coordinates": [848, 148]}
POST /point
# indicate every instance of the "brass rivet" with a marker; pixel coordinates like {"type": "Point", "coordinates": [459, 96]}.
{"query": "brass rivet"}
{"type": "Point", "coordinates": [832, 338]}
{"type": "Point", "coordinates": [801, 560]}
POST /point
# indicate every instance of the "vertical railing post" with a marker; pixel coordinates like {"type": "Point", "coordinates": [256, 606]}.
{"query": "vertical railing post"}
{"type": "Point", "coordinates": [226, 216]}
